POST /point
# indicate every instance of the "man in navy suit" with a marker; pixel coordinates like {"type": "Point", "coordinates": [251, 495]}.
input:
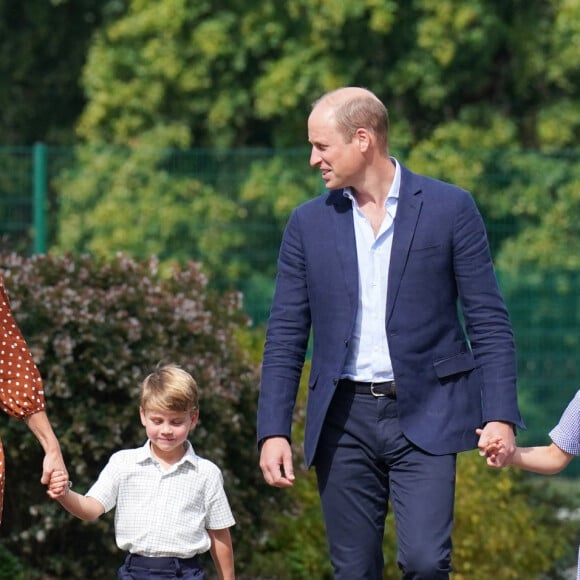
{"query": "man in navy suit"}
{"type": "Point", "coordinates": [379, 269]}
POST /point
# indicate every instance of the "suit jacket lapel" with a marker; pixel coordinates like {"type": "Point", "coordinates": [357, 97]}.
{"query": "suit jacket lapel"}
{"type": "Point", "coordinates": [346, 243]}
{"type": "Point", "coordinates": [408, 210]}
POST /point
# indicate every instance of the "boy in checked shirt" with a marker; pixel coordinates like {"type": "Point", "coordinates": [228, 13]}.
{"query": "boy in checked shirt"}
{"type": "Point", "coordinates": [548, 459]}
{"type": "Point", "coordinates": [170, 504]}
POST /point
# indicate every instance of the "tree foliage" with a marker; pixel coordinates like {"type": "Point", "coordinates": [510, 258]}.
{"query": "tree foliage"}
{"type": "Point", "coordinates": [481, 94]}
{"type": "Point", "coordinates": [244, 73]}
{"type": "Point", "coordinates": [226, 208]}
{"type": "Point", "coordinates": [43, 46]}
{"type": "Point", "coordinates": [507, 527]}
{"type": "Point", "coordinates": [472, 89]}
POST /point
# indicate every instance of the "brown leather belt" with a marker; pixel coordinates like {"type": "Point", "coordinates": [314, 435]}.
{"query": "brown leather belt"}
{"type": "Point", "coordinates": [382, 389]}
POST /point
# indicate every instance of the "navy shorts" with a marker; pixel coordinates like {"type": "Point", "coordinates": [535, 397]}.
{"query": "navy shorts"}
{"type": "Point", "coordinates": [145, 568]}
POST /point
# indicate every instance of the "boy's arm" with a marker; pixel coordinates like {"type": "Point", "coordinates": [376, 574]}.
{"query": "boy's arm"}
{"type": "Point", "coordinates": [222, 553]}
{"type": "Point", "coordinates": [545, 459]}
{"type": "Point", "coordinates": [81, 506]}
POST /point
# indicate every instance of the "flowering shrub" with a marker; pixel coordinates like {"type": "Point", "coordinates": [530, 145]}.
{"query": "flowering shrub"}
{"type": "Point", "coordinates": [96, 329]}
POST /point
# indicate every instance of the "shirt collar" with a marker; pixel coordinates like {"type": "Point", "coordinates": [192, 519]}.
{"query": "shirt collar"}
{"type": "Point", "coordinates": [393, 191]}
{"type": "Point", "coordinates": [144, 454]}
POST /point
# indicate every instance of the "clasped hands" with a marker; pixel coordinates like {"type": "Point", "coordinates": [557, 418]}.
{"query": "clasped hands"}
{"type": "Point", "coordinates": [497, 443]}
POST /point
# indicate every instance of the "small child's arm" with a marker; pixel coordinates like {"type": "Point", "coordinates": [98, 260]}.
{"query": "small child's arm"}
{"type": "Point", "coordinates": [545, 459]}
{"type": "Point", "coordinates": [222, 553]}
{"type": "Point", "coordinates": [80, 506]}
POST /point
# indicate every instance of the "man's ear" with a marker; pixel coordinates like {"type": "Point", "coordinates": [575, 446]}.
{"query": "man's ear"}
{"type": "Point", "coordinates": [142, 415]}
{"type": "Point", "coordinates": [363, 138]}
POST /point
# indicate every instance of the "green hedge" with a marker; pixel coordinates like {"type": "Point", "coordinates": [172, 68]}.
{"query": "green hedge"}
{"type": "Point", "coordinates": [96, 329]}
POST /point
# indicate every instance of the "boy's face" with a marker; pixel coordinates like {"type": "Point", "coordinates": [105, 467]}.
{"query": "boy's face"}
{"type": "Point", "coordinates": [167, 430]}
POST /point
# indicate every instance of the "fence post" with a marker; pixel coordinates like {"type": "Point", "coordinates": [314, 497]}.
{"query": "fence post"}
{"type": "Point", "coordinates": [39, 197]}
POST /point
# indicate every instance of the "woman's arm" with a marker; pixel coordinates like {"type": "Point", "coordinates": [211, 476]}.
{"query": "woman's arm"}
{"type": "Point", "coordinates": [40, 426]}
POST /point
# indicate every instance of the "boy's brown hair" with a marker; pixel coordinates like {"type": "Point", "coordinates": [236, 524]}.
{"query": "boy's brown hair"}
{"type": "Point", "coordinates": [170, 388]}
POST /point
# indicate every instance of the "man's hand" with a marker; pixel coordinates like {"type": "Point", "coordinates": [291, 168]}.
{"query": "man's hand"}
{"type": "Point", "coordinates": [489, 437]}
{"type": "Point", "coordinates": [276, 462]}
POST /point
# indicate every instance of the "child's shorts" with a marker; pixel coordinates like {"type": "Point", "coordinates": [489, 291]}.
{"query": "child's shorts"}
{"type": "Point", "coordinates": [146, 568]}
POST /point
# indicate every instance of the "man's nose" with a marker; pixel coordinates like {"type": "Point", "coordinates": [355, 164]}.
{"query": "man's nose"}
{"type": "Point", "coordinates": [314, 158]}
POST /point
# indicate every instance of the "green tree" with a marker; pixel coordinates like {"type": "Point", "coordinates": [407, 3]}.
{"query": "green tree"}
{"type": "Point", "coordinates": [43, 46]}
{"type": "Point", "coordinates": [180, 205]}
{"type": "Point", "coordinates": [481, 94]}
{"type": "Point", "coordinates": [508, 527]}
{"type": "Point", "coordinates": [244, 74]}
{"type": "Point", "coordinates": [465, 81]}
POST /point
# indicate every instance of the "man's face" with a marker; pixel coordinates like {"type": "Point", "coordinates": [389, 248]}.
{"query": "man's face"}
{"type": "Point", "coordinates": [339, 162]}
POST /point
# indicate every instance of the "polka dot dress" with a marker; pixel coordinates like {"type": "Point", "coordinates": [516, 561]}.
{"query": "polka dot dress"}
{"type": "Point", "coordinates": [21, 392]}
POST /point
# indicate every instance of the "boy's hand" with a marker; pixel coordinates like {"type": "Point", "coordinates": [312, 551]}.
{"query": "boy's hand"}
{"type": "Point", "coordinates": [58, 485]}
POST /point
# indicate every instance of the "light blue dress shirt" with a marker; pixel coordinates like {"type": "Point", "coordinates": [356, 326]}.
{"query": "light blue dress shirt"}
{"type": "Point", "coordinates": [368, 358]}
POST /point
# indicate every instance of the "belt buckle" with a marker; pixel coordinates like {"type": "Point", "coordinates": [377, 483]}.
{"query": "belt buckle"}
{"type": "Point", "coordinates": [375, 394]}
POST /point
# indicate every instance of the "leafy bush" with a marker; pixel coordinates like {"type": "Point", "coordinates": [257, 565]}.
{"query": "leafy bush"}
{"type": "Point", "coordinates": [95, 330]}
{"type": "Point", "coordinates": [506, 526]}
{"type": "Point", "coordinates": [10, 568]}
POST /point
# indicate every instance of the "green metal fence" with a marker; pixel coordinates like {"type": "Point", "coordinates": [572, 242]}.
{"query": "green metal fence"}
{"type": "Point", "coordinates": [27, 203]}
{"type": "Point", "coordinates": [544, 305]}
{"type": "Point", "coordinates": [16, 194]}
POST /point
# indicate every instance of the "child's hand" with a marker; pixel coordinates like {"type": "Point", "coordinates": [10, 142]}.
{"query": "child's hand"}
{"type": "Point", "coordinates": [58, 485]}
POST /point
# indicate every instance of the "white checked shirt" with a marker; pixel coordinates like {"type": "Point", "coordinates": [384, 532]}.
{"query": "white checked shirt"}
{"type": "Point", "coordinates": [163, 513]}
{"type": "Point", "coordinates": [566, 435]}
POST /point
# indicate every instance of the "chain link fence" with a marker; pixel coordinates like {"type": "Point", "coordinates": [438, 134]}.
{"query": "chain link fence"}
{"type": "Point", "coordinates": [544, 305]}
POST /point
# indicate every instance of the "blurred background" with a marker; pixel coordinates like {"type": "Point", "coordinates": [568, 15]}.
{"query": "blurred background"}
{"type": "Point", "coordinates": [150, 154]}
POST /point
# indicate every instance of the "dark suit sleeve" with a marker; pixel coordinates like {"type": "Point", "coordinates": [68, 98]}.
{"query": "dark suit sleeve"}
{"type": "Point", "coordinates": [487, 321]}
{"type": "Point", "coordinates": [286, 338]}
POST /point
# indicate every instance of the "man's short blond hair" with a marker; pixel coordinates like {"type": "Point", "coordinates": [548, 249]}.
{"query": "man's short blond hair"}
{"type": "Point", "coordinates": [170, 388]}
{"type": "Point", "coordinates": [357, 108]}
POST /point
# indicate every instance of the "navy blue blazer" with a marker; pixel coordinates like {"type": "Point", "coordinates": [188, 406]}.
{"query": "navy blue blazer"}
{"type": "Point", "coordinates": [451, 378]}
